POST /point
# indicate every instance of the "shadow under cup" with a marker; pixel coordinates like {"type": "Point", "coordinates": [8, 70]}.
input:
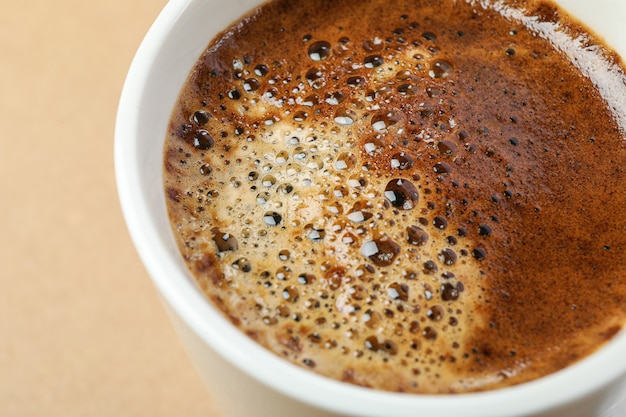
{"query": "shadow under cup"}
{"type": "Point", "coordinates": [243, 378]}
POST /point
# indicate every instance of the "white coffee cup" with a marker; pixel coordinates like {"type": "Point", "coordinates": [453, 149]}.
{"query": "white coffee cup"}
{"type": "Point", "coordinates": [243, 378]}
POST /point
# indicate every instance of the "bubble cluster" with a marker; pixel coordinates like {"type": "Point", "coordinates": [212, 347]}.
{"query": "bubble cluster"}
{"type": "Point", "coordinates": [331, 181]}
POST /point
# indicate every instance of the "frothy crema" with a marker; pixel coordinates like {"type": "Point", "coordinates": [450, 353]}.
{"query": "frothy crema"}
{"type": "Point", "coordinates": [418, 197]}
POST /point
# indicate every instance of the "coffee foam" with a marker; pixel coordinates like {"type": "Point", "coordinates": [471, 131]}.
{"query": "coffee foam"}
{"type": "Point", "coordinates": [329, 205]}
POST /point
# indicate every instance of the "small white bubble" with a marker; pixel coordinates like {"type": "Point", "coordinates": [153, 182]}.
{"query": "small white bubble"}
{"type": "Point", "coordinates": [347, 240]}
{"type": "Point", "coordinates": [344, 120]}
{"type": "Point", "coordinates": [356, 216]}
{"type": "Point", "coordinates": [379, 126]}
{"type": "Point", "coordinates": [393, 293]}
{"type": "Point", "coordinates": [270, 220]}
{"type": "Point", "coordinates": [370, 148]}
{"type": "Point", "coordinates": [341, 165]}
{"type": "Point", "coordinates": [369, 248]}
{"type": "Point", "coordinates": [315, 235]}
{"type": "Point", "coordinates": [354, 183]}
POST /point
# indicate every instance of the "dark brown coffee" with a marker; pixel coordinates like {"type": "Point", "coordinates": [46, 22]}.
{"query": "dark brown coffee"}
{"type": "Point", "coordinates": [418, 195]}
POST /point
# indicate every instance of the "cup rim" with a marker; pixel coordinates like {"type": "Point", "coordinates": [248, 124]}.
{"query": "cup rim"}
{"type": "Point", "coordinates": [175, 286]}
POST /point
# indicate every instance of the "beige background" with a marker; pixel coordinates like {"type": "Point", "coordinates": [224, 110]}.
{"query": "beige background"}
{"type": "Point", "coordinates": [82, 332]}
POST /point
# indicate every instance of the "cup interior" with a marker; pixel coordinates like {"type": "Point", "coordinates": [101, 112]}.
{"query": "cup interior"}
{"type": "Point", "coordinates": [172, 46]}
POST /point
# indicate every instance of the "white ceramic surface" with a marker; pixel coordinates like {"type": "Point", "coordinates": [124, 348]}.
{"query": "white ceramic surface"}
{"type": "Point", "coordinates": [243, 378]}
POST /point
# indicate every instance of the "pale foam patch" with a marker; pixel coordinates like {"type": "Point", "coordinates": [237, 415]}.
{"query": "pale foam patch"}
{"type": "Point", "coordinates": [332, 264]}
{"type": "Point", "coordinates": [303, 190]}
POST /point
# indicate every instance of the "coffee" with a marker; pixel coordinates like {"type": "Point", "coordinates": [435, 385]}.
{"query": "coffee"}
{"type": "Point", "coordinates": [422, 196]}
